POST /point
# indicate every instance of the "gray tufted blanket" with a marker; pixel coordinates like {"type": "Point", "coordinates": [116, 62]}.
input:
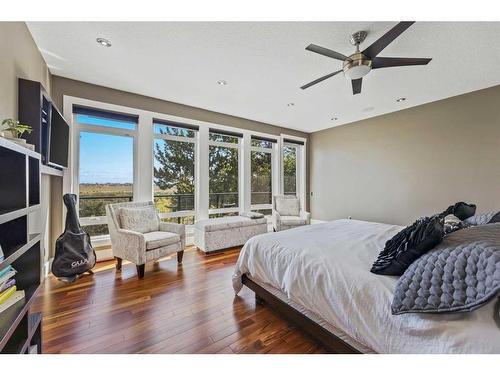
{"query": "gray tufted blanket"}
{"type": "Point", "coordinates": [460, 274]}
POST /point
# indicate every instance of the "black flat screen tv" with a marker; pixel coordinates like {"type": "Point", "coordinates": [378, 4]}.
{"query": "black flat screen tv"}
{"type": "Point", "coordinates": [58, 140]}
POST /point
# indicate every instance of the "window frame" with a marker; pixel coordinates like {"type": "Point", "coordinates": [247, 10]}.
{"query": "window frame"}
{"type": "Point", "coordinates": [238, 146]}
{"type": "Point", "coordinates": [300, 166]}
{"type": "Point", "coordinates": [175, 138]}
{"type": "Point", "coordinates": [272, 151]}
{"type": "Point", "coordinates": [78, 128]}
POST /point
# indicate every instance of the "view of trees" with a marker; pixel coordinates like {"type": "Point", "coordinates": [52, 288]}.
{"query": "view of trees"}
{"type": "Point", "coordinates": [223, 177]}
{"type": "Point", "coordinates": [261, 177]}
{"type": "Point", "coordinates": [174, 172]}
{"type": "Point", "coordinates": [290, 169]}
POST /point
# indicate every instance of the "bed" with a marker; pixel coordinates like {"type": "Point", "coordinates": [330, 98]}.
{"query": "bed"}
{"type": "Point", "coordinates": [318, 276]}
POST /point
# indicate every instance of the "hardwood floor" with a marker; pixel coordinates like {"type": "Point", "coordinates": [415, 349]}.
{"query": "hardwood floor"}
{"type": "Point", "coordinates": [189, 308]}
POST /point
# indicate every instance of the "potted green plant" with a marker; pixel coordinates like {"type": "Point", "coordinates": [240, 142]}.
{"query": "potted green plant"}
{"type": "Point", "coordinates": [15, 128]}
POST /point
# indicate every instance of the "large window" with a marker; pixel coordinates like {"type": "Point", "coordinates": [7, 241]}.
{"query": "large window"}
{"type": "Point", "coordinates": [174, 171]}
{"type": "Point", "coordinates": [106, 164]}
{"type": "Point", "coordinates": [261, 155]}
{"type": "Point", "coordinates": [190, 169]}
{"type": "Point", "coordinates": [223, 173]}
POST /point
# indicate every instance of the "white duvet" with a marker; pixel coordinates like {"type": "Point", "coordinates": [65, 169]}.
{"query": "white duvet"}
{"type": "Point", "coordinates": [325, 268]}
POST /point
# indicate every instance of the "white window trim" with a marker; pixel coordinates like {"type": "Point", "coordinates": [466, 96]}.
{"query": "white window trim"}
{"type": "Point", "coordinates": [300, 166]}
{"type": "Point", "coordinates": [78, 128]}
{"type": "Point", "coordinates": [167, 137]}
{"type": "Point", "coordinates": [143, 161]}
{"type": "Point", "coordinates": [237, 146]}
{"type": "Point", "coordinates": [274, 172]}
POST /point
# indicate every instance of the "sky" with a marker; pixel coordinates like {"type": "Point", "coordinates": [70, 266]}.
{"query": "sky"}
{"type": "Point", "coordinates": [105, 158]}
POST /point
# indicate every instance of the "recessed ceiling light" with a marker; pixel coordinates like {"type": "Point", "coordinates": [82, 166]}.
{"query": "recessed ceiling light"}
{"type": "Point", "coordinates": [400, 100]}
{"type": "Point", "coordinates": [290, 104]}
{"type": "Point", "coordinates": [103, 42]}
{"type": "Point", "coordinates": [222, 82]}
{"type": "Point", "coordinates": [334, 118]}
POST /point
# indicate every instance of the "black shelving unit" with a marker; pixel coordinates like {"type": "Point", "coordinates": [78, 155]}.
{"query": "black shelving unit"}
{"type": "Point", "coordinates": [34, 109]}
{"type": "Point", "coordinates": [20, 196]}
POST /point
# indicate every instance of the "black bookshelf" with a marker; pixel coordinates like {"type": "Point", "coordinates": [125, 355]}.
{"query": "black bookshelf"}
{"type": "Point", "coordinates": [20, 328]}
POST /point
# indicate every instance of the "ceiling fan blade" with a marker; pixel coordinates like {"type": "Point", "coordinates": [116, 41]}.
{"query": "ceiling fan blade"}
{"type": "Point", "coordinates": [326, 52]}
{"type": "Point", "coordinates": [389, 62]}
{"type": "Point", "coordinates": [356, 85]}
{"type": "Point", "coordinates": [387, 39]}
{"type": "Point", "coordinates": [320, 79]}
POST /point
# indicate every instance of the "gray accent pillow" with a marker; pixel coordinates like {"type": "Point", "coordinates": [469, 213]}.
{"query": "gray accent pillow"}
{"type": "Point", "coordinates": [142, 220]}
{"type": "Point", "coordinates": [481, 219]}
{"type": "Point", "coordinates": [460, 274]}
{"type": "Point", "coordinates": [287, 206]}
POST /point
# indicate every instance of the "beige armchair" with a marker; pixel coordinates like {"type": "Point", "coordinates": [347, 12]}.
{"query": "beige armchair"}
{"type": "Point", "coordinates": [139, 236]}
{"type": "Point", "coordinates": [288, 213]}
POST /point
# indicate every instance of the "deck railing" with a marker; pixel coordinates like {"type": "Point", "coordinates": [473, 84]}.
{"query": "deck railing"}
{"type": "Point", "coordinates": [94, 204]}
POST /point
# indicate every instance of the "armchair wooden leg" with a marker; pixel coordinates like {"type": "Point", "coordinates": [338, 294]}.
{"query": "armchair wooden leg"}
{"type": "Point", "coordinates": [118, 263]}
{"type": "Point", "coordinates": [180, 255]}
{"type": "Point", "coordinates": [140, 271]}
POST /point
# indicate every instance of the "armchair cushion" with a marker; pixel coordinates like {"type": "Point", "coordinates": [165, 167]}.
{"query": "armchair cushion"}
{"type": "Point", "coordinates": [142, 220]}
{"type": "Point", "coordinates": [154, 240]}
{"type": "Point", "coordinates": [288, 206]}
{"type": "Point", "coordinates": [293, 220]}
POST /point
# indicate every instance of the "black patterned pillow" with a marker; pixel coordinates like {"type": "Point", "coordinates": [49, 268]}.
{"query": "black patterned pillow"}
{"type": "Point", "coordinates": [461, 210]}
{"type": "Point", "coordinates": [408, 245]}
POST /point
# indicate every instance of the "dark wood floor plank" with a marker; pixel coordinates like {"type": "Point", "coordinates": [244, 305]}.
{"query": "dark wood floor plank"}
{"type": "Point", "coordinates": [187, 308]}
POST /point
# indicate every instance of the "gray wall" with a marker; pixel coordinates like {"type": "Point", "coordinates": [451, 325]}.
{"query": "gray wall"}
{"type": "Point", "coordinates": [20, 58]}
{"type": "Point", "coordinates": [400, 166]}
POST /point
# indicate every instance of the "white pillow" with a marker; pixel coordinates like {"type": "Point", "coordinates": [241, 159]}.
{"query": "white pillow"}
{"type": "Point", "coordinates": [142, 220]}
{"type": "Point", "coordinates": [287, 207]}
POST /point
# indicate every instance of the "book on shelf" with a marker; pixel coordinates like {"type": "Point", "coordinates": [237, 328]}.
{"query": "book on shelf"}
{"type": "Point", "coordinates": [1, 253]}
{"type": "Point", "coordinates": [6, 274]}
{"type": "Point", "coordinates": [6, 270]}
{"type": "Point", "coordinates": [7, 284]}
{"type": "Point", "coordinates": [5, 295]}
{"type": "Point", "coordinates": [13, 299]}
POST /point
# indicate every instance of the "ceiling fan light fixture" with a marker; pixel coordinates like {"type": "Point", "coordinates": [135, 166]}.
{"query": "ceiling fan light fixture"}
{"type": "Point", "coordinates": [357, 72]}
{"type": "Point", "coordinates": [357, 66]}
{"type": "Point", "coordinates": [103, 42]}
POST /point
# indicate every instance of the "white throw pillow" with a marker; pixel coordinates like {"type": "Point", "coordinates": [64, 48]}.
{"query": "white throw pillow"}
{"type": "Point", "coordinates": [142, 220]}
{"type": "Point", "coordinates": [287, 207]}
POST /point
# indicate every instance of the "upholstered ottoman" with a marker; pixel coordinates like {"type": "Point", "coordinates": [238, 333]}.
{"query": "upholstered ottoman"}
{"type": "Point", "coordinates": [221, 233]}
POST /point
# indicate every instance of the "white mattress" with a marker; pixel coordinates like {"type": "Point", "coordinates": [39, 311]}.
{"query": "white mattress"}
{"type": "Point", "coordinates": [325, 269]}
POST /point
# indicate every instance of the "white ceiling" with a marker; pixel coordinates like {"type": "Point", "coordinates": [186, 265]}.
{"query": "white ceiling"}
{"type": "Point", "coordinates": [266, 63]}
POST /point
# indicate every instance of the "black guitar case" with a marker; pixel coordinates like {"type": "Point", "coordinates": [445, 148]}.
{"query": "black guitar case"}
{"type": "Point", "coordinates": [74, 252]}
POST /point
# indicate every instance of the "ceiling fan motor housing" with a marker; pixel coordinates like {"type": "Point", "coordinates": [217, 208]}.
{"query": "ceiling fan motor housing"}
{"type": "Point", "coordinates": [357, 66]}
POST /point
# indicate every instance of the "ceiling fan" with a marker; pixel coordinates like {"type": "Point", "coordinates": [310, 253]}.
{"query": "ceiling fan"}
{"type": "Point", "coordinates": [359, 64]}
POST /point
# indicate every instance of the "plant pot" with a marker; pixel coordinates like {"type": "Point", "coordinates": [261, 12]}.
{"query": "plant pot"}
{"type": "Point", "coordinates": [9, 134]}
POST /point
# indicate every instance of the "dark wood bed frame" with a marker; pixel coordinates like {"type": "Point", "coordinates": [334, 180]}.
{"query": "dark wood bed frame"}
{"type": "Point", "coordinates": [328, 340]}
